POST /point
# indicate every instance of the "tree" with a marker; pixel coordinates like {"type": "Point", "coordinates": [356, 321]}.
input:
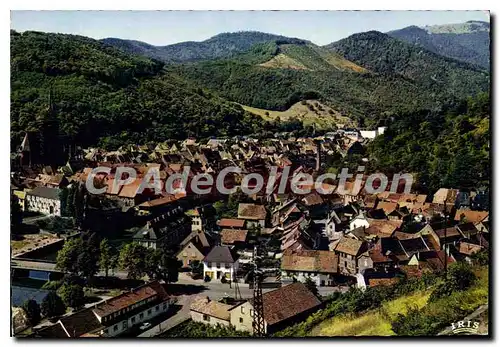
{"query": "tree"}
{"type": "Point", "coordinates": [309, 283]}
{"type": "Point", "coordinates": [32, 310]}
{"type": "Point", "coordinates": [106, 256]}
{"type": "Point", "coordinates": [52, 305]}
{"type": "Point", "coordinates": [67, 257]}
{"type": "Point", "coordinates": [80, 256]}
{"type": "Point", "coordinates": [16, 214]}
{"type": "Point", "coordinates": [72, 295]}
{"type": "Point", "coordinates": [133, 260]}
{"type": "Point", "coordinates": [196, 269]}
{"type": "Point", "coordinates": [162, 265]}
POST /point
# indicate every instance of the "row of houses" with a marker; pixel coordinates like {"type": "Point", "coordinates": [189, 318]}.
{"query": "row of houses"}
{"type": "Point", "coordinates": [112, 317]}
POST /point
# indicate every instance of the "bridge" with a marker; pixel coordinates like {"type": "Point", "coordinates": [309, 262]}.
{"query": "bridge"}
{"type": "Point", "coordinates": [35, 268]}
{"type": "Point", "coordinates": [33, 264]}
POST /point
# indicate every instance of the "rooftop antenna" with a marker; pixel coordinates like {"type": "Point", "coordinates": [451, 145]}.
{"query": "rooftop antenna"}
{"type": "Point", "coordinates": [258, 303]}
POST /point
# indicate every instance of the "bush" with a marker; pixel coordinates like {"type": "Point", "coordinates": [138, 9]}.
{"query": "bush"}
{"type": "Point", "coordinates": [223, 279]}
{"type": "Point", "coordinates": [52, 305]}
{"type": "Point", "coordinates": [460, 277]}
{"type": "Point", "coordinates": [52, 285]}
{"type": "Point", "coordinates": [33, 311]}
{"type": "Point", "coordinates": [72, 295]}
{"type": "Point", "coordinates": [207, 278]}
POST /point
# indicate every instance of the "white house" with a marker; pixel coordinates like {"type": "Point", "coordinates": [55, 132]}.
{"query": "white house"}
{"type": "Point", "coordinates": [44, 200]}
{"type": "Point", "coordinates": [220, 262]}
{"type": "Point", "coordinates": [359, 221]}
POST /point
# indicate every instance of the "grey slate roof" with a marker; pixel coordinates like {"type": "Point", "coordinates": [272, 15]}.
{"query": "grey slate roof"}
{"type": "Point", "coordinates": [221, 254]}
{"type": "Point", "coordinates": [46, 192]}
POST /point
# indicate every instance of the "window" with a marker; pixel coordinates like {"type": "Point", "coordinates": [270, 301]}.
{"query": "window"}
{"type": "Point", "coordinates": [209, 264]}
{"type": "Point", "coordinates": [149, 312]}
{"type": "Point", "coordinates": [242, 309]}
{"type": "Point", "coordinates": [241, 320]}
{"type": "Point", "coordinates": [157, 308]}
{"type": "Point", "coordinates": [115, 328]}
{"type": "Point", "coordinates": [206, 318]}
{"type": "Point", "coordinates": [141, 315]}
{"type": "Point", "coordinates": [165, 306]}
{"type": "Point", "coordinates": [124, 325]}
{"type": "Point", "coordinates": [133, 319]}
{"type": "Point", "coordinates": [218, 265]}
{"type": "Point", "coordinates": [251, 313]}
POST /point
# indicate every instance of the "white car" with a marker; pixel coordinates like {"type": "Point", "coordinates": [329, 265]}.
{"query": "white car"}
{"type": "Point", "coordinates": [145, 326]}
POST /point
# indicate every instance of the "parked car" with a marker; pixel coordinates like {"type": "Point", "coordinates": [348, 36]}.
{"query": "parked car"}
{"type": "Point", "coordinates": [145, 326]}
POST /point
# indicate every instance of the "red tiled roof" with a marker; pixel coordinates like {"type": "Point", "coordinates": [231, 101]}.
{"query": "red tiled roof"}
{"type": "Point", "coordinates": [348, 246]}
{"type": "Point", "coordinates": [287, 302]}
{"type": "Point", "coordinates": [231, 223]}
{"type": "Point", "coordinates": [471, 216]}
{"type": "Point", "coordinates": [307, 260]}
{"type": "Point", "coordinates": [230, 236]}
{"type": "Point", "coordinates": [124, 300]}
{"type": "Point", "coordinates": [251, 211]}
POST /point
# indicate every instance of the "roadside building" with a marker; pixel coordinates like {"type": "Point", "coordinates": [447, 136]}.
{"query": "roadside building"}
{"type": "Point", "coordinates": [282, 307]}
{"type": "Point", "coordinates": [220, 262]}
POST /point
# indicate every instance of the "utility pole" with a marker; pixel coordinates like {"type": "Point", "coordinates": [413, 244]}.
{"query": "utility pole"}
{"type": "Point", "coordinates": [445, 236]}
{"type": "Point", "coordinates": [258, 324]}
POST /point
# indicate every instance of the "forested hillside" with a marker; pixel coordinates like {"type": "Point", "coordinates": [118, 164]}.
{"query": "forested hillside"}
{"type": "Point", "coordinates": [101, 95]}
{"type": "Point", "coordinates": [389, 56]}
{"type": "Point", "coordinates": [219, 46]}
{"type": "Point", "coordinates": [447, 148]}
{"type": "Point", "coordinates": [278, 74]}
{"type": "Point", "coordinates": [468, 41]}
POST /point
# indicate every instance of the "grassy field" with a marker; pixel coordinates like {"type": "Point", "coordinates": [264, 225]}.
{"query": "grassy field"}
{"type": "Point", "coordinates": [312, 112]}
{"type": "Point", "coordinates": [372, 323]}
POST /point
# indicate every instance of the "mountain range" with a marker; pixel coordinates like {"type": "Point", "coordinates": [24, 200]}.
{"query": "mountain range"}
{"type": "Point", "coordinates": [469, 42]}
{"type": "Point", "coordinates": [112, 92]}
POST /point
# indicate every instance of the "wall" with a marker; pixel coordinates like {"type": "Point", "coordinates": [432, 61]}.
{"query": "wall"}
{"type": "Point", "coordinates": [227, 269]}
{"type": "Point", "coordinates": [126, 324]}
{"type": "Point", "coordinates": [196, 223]}
{"type": "Point", "coordinates": [302, 276]}
{"type": "Point", "coordinates": [189, 253]}
{"type": "Point", "coordinates": [242, 320]}
{"type": "Point", "coordinates": [206, 319]}
{"type": "Point", "coordinates": [358, 222]}
{"type": "Point", "coordinates": [347, 264]}
{"type": "Point", "coordinates": [369, 134]}
{"type": "Point", "coordinates": [43, 205]}
{"type": "Point", "coordinates": [364, 262]}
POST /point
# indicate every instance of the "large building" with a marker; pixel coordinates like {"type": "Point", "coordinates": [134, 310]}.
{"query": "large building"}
{"type": "Point", "coordinates": [44, 200]}
{"type": "Point", "coordinates": [114, 316]}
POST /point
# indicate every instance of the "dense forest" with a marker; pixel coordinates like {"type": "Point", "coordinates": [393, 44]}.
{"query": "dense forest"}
{"type": "Point", "coordinates": [101, 95]}
{"type": "Point", "coordinates": [386, 55]}
{"type": "Point", "coordinates": [448, 148]}
{"type": "Point", "coordinates": [220, 46]}
{"type": "Point", "coordinates": [468, 41]}
{"type": "Point", "coordinates": [252, 79]}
